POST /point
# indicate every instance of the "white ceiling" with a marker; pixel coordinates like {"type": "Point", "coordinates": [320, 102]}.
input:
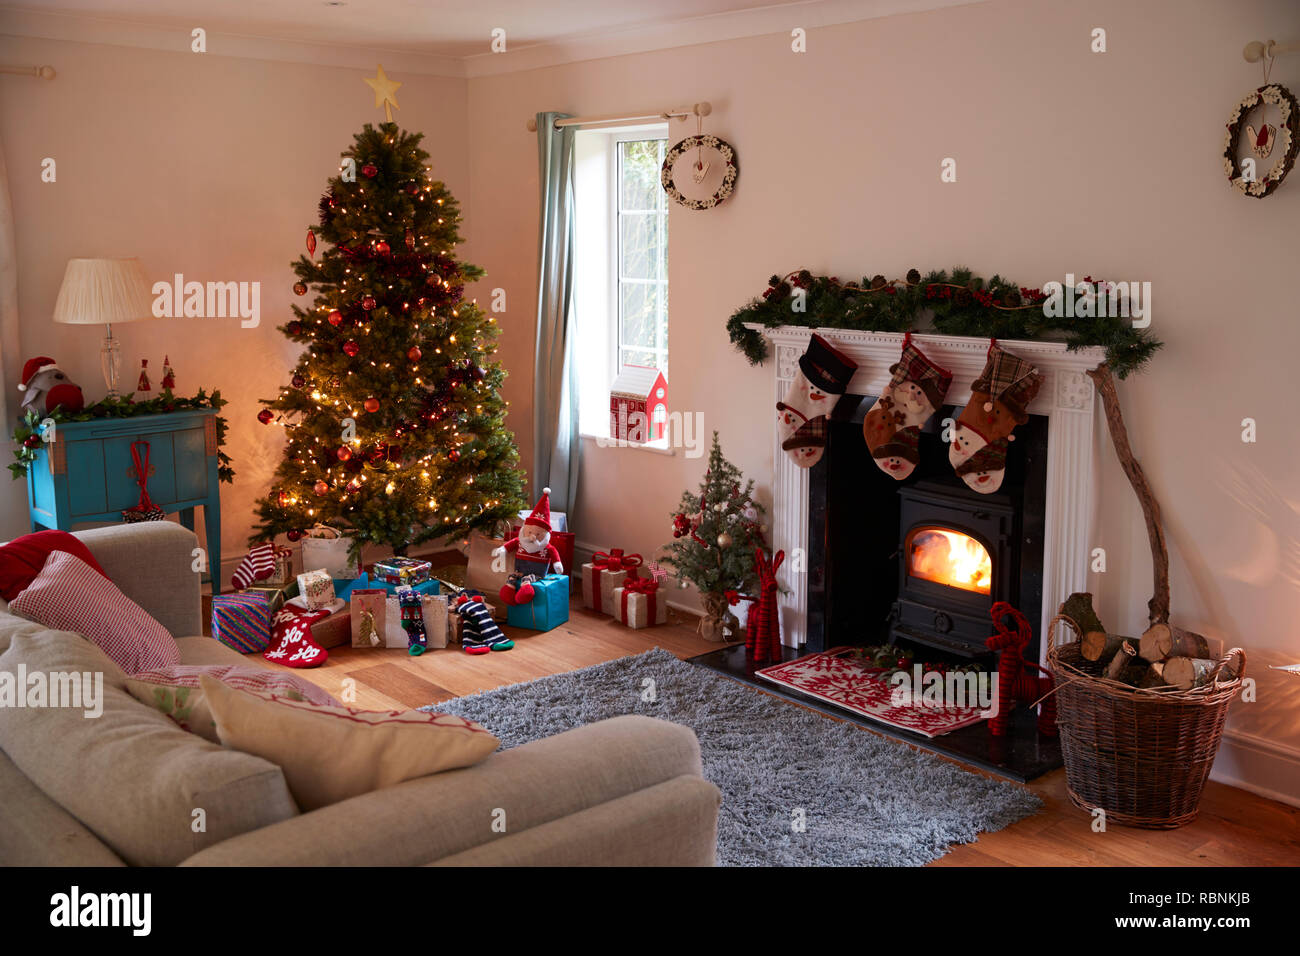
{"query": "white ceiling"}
{"type": "Point", "coordinates": [449, 35]}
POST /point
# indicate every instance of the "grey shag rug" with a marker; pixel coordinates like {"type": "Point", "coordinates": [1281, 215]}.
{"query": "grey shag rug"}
{"type": "Point", "coordinates": [867, 800]}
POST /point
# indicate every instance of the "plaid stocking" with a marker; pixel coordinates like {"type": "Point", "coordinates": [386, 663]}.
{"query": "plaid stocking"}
{"type": "Point", "coordinates": [983, 433]}
{"type": "Point", "coordinates": [893, 426]}
{"type": "Point", "coordinates": [823, 375]}
{"type": "Point", "coordinates": [256, 566]}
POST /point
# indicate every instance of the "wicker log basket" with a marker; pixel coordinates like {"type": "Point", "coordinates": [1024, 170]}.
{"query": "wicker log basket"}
{"type": "Point", "coordinates": [1140, 754]}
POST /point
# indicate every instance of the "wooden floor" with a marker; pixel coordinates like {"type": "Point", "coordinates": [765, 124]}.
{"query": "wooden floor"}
{"type": "Point", "coordinates": [1234, 827]}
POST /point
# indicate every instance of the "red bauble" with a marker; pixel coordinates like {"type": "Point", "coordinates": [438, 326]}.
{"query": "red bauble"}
{"type": "Point", "coordinates": [413, 188]}
{"type": "Point", "coordinates": [369, 170]}
{"type": "Point", "coordinates": [294, 328]}
{"type": "Point", "coordinates": [454, 454]}
{"type": "Point", "coordinates": [474, 371]}
{"type": "Point", "coordinates": [336, 318]}
{"type": "Point", "coordinates": [414, 353]}
{"type": "Point", "coordinates": [293, 535]}
{"type": "Point", "coordinates": [311, 243]}
{"type": "Point", "coordinates": [410, 239]}
{"type": "Point", "coordinates": [368, 302]}
{"type": "Point", "coordinates": [265, 416]}
{"type": "Point", "coordinates": [320, 488]}
{"type": "Point", "coordinates": [376, 454]}
{"type": "Point", "coordinates": [382, 248]}
{"type": "Point", "coordinates": [353, 486]}
{"type": "Point", "coordinates": [372, 405]}
{"type": "Point", "coordinates": [32, 441]}
{"type": "Point", "coordinates": [297, 381]}
{"type": "Point", "coordinates": [300, 288]}
{"type": "Point", "coordinates": [344, 453]}
{"type": "Point", "coordinates": [351, 347]}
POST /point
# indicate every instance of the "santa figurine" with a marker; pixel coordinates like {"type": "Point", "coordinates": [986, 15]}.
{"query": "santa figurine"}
{"type": "Point", "coordinates": [534, 554]}
{"type": "Point", "coordinates": [45, 387]}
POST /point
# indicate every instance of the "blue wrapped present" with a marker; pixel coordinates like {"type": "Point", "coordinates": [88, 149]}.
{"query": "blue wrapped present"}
{"type": "Point", "coordinates": [549, 607]}
{"type": "Point", "coordinates": [368, 581]}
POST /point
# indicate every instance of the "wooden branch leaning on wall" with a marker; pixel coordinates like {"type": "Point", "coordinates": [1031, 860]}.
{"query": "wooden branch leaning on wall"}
{"type": "Point", "coordinates": [1158, 606]}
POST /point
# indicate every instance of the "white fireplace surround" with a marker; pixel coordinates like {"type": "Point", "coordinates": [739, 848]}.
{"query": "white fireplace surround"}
{"type": "Point", "coordinates": [1067, 399]}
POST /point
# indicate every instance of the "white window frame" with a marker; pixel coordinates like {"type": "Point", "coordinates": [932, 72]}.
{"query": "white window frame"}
{"type": "Point", "coordinates": [615, 244]}
{"type": "Point", "coordinates": [596, 306]}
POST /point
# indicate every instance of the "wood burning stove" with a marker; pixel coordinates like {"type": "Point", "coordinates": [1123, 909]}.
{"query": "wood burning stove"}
{"type": "Point", "coordinates": [957, 555]}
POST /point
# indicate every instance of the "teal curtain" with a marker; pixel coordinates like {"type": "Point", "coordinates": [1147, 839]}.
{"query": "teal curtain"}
{"type": "Point", "coordinates": [556, 445]}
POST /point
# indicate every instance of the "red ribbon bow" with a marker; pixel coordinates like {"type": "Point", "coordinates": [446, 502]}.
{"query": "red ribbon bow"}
{"type": "Point", "coordinates": [616, 560]}
{"type": "Point", "coordinates": [640, 585]}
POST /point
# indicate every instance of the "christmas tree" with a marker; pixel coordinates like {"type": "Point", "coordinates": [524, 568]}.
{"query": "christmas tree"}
{"type": "Point", "coordinates": [715, 532]}
{"type": "Point", "coordinates": [395, 428]}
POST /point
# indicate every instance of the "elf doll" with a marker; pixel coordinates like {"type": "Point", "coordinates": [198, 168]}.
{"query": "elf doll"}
{"type": "Point", "coordinates": [534, 553]}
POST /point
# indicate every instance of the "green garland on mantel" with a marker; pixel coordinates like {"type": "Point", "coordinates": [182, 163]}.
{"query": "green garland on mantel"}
{"type": "Point", "coordinates": [27, 436]}
{"type": "Point", "coordinates": [957, 303]}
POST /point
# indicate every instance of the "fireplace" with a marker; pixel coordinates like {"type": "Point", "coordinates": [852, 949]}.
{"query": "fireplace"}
{"type": "Point", "coordinates": [1055, 515]}
{"type": "Point", "coordinates": [919, 562]}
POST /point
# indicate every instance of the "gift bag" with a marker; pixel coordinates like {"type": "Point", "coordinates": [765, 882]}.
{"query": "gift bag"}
{"type": "Point", "coordinates": [481, 577]}
{"type": "Point", "coordinates": [369, 618]}
{"type": "Point", "coordinates": [327, 549]}
{"type": "Point", "coordinates": [434, 612]}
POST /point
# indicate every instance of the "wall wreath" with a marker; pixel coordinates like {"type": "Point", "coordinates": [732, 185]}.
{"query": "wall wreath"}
{"type": "Point", "coordinates": [1244, 175]}
{"type": "Point", "coordinates": [699, 167]}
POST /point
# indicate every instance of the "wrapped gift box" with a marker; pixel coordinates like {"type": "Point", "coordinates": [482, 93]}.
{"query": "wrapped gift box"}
{"type": "Point", "coordinates": [401, 571]}
{"type": "Point", "coordinates": [602, 575]}
{"type": "Point", "coordinates": [434, 612]}
{"type": "Point", "coordinates": [242, 621]}
{"type": "Point", "coordinates": [549, 607]}
{"type": "Point", "coordinates": [275, 597]}
{"type": "Point", "coordinates": [316, 588]}
{"type": "Point", "coordinates": [638, 603]}
{"type": "Point", "coordinates": [282, 574]}
{"type": "Point", "coordinates": [369, 581]}
{"type": "Point", "coordinates": [335, 630]}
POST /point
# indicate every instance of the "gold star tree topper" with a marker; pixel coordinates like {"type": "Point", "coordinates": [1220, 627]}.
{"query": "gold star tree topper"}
{"type": "Point", "coordinates": [385, 92]}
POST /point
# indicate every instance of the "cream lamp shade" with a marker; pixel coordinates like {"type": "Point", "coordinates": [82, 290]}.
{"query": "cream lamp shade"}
{"type": "Point", "coordinates": [104, 292]}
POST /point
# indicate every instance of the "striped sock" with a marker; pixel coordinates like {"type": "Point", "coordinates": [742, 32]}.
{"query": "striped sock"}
{"type": "Point", "coordinates": [256, 566]}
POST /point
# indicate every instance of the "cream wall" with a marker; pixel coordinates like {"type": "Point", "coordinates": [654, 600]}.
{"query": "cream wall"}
{"type": "Point", "coordinates": [206, 165]}
{"type": "Point", "coordinates": [1068, 161]}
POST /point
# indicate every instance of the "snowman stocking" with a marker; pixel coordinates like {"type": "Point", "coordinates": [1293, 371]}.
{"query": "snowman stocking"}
{"type": "Point", "coordinates": [823, 375]}
{"type": "Point", "coordinates": [984, 431]}
{"type": "Point", "coordinates": [893, 426]}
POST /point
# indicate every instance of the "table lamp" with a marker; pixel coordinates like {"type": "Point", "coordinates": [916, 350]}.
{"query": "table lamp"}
{"type": "Point", "coordinates": [104, 292]}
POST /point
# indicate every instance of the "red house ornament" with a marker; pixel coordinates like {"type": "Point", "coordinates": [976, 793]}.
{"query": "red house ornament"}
{"type": "Point", "coordinates": [638, 405]}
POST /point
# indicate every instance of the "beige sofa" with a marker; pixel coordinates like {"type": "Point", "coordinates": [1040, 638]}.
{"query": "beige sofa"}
{"type": "Point", "coordinates": [130, 787]}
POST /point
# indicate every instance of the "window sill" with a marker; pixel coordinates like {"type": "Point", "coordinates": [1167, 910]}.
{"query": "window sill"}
{"type": "Point", "coordinates": [659, 447]}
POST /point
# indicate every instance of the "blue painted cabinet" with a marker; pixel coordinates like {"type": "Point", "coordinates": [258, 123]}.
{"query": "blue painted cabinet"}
{"type": "Point", "coordinates": [86, 474]}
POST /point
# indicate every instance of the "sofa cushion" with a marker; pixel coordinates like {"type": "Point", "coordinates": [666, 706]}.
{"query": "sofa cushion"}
{"type": "Point", "coordinates": [175, 691]}
{"type": "Point", "coordinates": [22, 558]}
{"type": "Point", "coordinates": [332, 753]}
{"type": "Point", "coordinates": [130, 775]}
{"type": "Point", "coordinates": [70, 595]}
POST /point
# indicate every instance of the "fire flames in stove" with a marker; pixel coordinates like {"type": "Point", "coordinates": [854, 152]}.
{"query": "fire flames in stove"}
{"type": "Point", "coordinates": [951, 558]}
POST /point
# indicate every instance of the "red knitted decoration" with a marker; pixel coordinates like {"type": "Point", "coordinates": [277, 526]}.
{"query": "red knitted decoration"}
{"type": "Point", "coordinates": [763, 635]}
{"type": "Point", "coordinates": [1017, 682]}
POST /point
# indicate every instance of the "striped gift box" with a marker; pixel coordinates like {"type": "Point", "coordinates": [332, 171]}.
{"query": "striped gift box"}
{"type": "Point", "coordinates": [242, 621]}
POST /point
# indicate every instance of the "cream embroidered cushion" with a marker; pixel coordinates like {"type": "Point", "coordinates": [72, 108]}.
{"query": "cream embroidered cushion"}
{"type": "Point", "coordinates": [329, 754]}
{"type": "Point", "coordinates": [175, 691]}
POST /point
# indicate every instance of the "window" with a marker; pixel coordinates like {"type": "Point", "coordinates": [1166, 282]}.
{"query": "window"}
{"type": "Point", "coordinates": [640, 279]}
{"type": "Point", "coordinates": [621, 262]}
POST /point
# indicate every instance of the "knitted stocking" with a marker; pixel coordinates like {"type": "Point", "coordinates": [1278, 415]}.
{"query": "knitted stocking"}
{"type": "Point", "coordinates": [256, 566]}
{"type": "Point", "coordinates": [291, 641]}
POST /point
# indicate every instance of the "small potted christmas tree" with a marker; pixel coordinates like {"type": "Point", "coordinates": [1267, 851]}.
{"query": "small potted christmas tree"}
{"type": "Point", "coordinates": [715, 532]}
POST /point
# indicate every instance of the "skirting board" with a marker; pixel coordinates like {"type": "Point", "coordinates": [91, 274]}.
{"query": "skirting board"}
{"type": "Point", "coordinates": [1261, 766]}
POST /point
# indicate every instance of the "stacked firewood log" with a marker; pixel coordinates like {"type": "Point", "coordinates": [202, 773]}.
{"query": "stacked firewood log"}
{"type": "Point", "coordinates": [1164, 656]}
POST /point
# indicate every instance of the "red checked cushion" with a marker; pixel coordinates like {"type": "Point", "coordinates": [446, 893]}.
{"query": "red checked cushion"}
{"type": "Point", "coordinates": [70, 595]}
{"type": "Point", "coordinates": [22, 558]}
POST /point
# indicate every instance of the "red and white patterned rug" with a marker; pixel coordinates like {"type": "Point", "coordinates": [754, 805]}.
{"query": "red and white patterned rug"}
{"type": "Point", "coordinates": [838, 677]}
